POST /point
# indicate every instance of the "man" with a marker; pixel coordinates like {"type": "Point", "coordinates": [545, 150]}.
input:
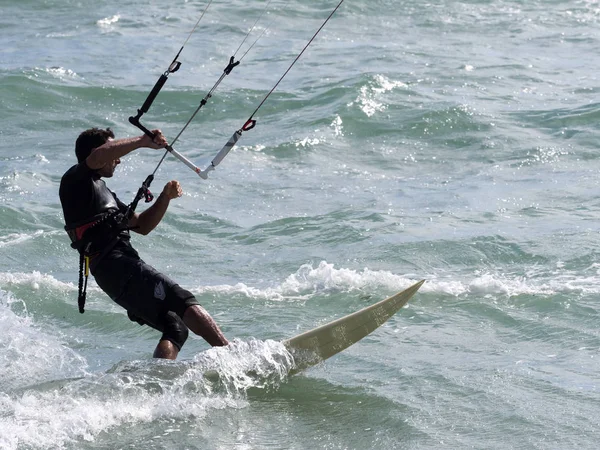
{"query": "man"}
{"type": "Point", "coordinates": [99, 223]}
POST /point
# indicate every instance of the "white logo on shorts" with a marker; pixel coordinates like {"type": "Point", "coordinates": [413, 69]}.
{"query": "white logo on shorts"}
{"type": "Point", "coordinates": [159, 291]}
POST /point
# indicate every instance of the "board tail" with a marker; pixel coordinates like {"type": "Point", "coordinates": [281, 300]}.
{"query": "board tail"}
{"type": "Point", "coordinates": [316, 345]}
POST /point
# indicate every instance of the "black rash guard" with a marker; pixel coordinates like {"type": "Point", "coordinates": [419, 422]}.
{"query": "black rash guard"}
{"type": "Point", "coordinates": [84, 195]}
{"type": "Point", "coordinates": [85, 198]}
{"type": "Point", "coordinates": [148, 296]}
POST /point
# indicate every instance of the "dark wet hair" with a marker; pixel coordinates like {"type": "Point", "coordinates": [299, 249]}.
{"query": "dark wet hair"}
{"type": "Point", "coordinates": [89, 140]}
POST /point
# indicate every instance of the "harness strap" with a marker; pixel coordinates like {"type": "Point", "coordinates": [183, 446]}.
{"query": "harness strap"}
{"type": "Point", "coordinates": [84, 243]}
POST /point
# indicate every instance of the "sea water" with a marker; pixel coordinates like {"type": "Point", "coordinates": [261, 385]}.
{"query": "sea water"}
{"type": "Point", "coordinates": [451, 141]}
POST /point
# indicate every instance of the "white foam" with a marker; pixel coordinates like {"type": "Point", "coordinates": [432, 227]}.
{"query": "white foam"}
{"type": "Point", "coordinates": [489, 284]}
{"type": "Point", "coordinates": [60, 72]}
{"type": "Point", "coordinates": [370, 99]}
{"type": "Point", "coordinates": [83, 409]}
{"type": "Point", "coordinates": [108, 21]}
{"type": "Point", "coordinates": [308, 142]}
{"type": "Point", "coordinates": [35, 280]}
{"type": "Point", "coordinates": [60, 34]}
{"type": "Point", "coordinates": [309, 280]}
{"type": "Point", "coordinates": [140, 392]}
{"type": "Point", "coordinates": [17, 238]}
{"type": "Point", "coordinates": [28, 354]}
{"type": "Point", "coordinates": [338, 128]}
{"type": "Point", "coordinates": [41, 158]}
{"type": "Point", "coordinates": [246, 364]}
{"type": "Point", "coordinates": [253, 148]}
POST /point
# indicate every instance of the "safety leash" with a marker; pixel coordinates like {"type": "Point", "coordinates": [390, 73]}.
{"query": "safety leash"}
{"type": "Point", "coordinates": [84, 263]}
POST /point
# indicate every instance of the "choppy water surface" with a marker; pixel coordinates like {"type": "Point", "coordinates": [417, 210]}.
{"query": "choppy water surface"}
{"type": "Point", "coordinates": [449, 141]}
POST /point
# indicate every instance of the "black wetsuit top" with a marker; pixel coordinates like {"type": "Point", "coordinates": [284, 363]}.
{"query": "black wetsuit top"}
{"type": "Point", "coordinates": [147, 295]}
{"type": "Point", "coordinates": [84, 197]}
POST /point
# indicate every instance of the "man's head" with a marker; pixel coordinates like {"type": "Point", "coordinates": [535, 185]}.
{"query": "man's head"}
{"type": "Point", "coordinates": [89, 140]}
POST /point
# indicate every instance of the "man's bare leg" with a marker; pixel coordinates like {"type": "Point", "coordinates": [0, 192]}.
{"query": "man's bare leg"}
{"type": "Point", "coordinates": [166, 350]}
{"type": "Point", "coordinates": [201, 323]}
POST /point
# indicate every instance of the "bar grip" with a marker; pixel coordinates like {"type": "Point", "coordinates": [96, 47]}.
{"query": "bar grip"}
{"type": "Point", "coordinates": [153, 93]}
{"type": "Point", "coordinates": [135, 121]}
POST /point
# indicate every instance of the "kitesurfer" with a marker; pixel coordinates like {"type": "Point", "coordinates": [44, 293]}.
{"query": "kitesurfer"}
{"type": "Point", "coordinates": [99, 223]}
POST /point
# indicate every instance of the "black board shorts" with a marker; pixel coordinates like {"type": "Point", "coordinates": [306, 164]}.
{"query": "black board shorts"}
{"type": "Point", "coordinates": [144, 292]}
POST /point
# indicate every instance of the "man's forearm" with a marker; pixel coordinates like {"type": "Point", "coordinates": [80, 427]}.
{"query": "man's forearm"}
{"type": "Point", "coordinates": [111, 150]}
{"type": "Point", "coordinates": [150, 218]}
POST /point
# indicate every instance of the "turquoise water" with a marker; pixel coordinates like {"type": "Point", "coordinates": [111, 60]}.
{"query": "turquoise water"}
{"type": "Point", "coordinates": [449, 141]}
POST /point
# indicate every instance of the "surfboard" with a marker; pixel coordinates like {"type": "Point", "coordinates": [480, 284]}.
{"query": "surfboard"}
{"type": "Point", "coordinates": [321, 343]}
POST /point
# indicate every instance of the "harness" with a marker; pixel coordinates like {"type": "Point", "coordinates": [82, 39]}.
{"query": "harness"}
{"type": "Point", "coordinates": [94, 239]}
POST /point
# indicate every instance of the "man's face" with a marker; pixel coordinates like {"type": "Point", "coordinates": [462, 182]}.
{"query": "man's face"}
{"type": "Point", "coordinates": [108, 169]}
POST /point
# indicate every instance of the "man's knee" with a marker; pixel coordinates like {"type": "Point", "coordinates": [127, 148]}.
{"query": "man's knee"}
{"type": "Point", "coordinates": [175, 330]}
{"type": "Point", "coordinates": [180, 299]}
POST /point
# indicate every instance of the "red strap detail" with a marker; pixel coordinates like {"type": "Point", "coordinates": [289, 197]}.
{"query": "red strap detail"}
{"type": "Point", "coordinates": [251, 123]}
{"type": "Point", "coordinates": [81, 229]}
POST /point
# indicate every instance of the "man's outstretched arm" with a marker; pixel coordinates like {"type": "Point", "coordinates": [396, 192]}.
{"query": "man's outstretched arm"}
{"type": "Point", "coordinates": [116, 148]}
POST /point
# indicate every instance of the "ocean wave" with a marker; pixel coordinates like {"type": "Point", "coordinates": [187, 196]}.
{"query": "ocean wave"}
{"type": "Point", "coordinates": [320, 279]}
{"type": "Point", "coordinates": [28, 353]}
{"type": "Point", "coordinates": [69, 410]}
{"type": "Point", "coordinates": [371, 98]}
{"type": "Point", "coordinates": [108, 21]}
{"type": "Point", "coordinates": [35, 280]}
{"type": "Point", "coordinates": [562, 120]}
{"type": "Point", "coordinates": [309, 281]}
{"type": "Point", "coordinates": [59, 72]}
{"type": "Point", "coordinates": [18, 238]}
{"type": "Point", "coordinates": [324, 278]}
